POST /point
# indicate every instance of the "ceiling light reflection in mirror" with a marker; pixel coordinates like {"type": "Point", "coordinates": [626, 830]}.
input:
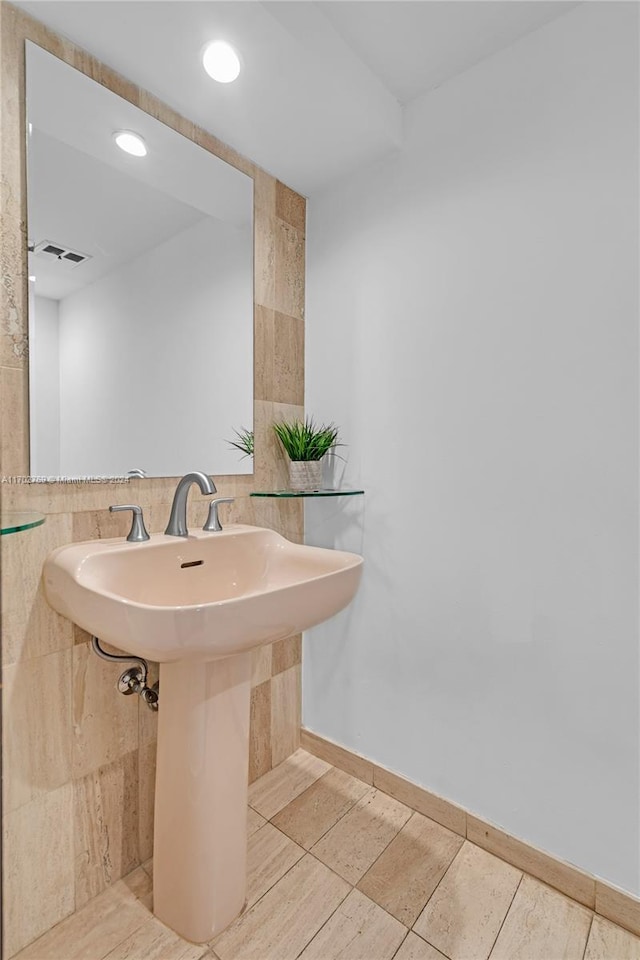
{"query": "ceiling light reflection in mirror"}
{"type": "Point", "coordinates": [141, 314]}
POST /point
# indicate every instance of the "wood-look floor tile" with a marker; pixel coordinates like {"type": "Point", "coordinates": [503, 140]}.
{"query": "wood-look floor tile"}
{"type": "Point", "coordinates": [254, 821]}
{"type": "Point", "coordinates": [464, 915]}
{"type": "Point", "coordinates": [358, 930]}
{"type": "Point", "coordinates": [139, 882]}
{"type": "Point", "coordinates": [154, 941]}
{"type": "Point", "coordinates": [307, 818]}
{"type": "Point", "coordinates": [405, 875]}
{"type": "Point", "coordinates": [607, 941]}
{"type": "Point", "coordinates": [281, 924]}
{"type": "Point", "coordinates": [415, 948]}
{"type": "Point", "coordinates": [270, 855]}
{"type": "Point", "coordinates": [358, 839]}
{"type": "Point", "coordinates": [284, 783]}
{"type": "Point", "coordinates": [571, 881]}
{"type": "Point", "coordinates": [93, 931]}
{"type": "Point", "coordinates": [542, 923]}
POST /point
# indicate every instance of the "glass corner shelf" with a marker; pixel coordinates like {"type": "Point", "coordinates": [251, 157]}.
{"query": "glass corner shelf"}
{"type": "Point", "coordinates": [306, 493]}
{"type": "Point", "coordinates": [20, 520]}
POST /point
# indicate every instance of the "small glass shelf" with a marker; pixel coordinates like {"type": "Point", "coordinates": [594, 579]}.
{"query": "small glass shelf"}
{"type": "Point", "coordinates": [14, 522]}
{"type": "Point", "coordinates": [306, 493]}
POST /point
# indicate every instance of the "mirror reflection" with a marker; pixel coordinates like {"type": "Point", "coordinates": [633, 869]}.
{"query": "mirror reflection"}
{"type": "Point", "coordinates": [140, 292]}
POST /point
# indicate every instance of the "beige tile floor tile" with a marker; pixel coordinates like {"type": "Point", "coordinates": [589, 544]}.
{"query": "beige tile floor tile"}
{"type": "Point", "coordinates": [93, 931]}
{"type": "Point", "coordinates": [254, 821]}
{"type": "Point", "coordinates": [609, 942]}
{"type": "Point", "coordinates": [154, 941]}
{"type": "Point", "coordinates": [300, 908]}
{"type": "Point", "coordinates": [359, 838]}
{"type": "Point", "coordinates": [139, 882]}
{"type": "Point", "coordinates": [542, 924]}
{"type": "Point", "coordinates": [415, 948]}
{"type": "Point", "coordinates": [463, 917]}
{"type": "Point", "coordinates": [358, 930]}
{"type": "Point", "coordinates": [269, 857]}
{"type": "Point", "coordinates": [307, 818]}
{"type": "Point", "coordinates": [284, 783]}
{"type": "Point", "coordinates": [281, 924]}
{"type": "Point", "coordinates": [405, 875]}
{"type": "Point", "coordinates": [571, 881]}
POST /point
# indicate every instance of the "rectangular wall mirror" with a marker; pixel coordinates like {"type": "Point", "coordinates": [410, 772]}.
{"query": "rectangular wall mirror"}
{"type": "Point", "coordinates": [140, 289]}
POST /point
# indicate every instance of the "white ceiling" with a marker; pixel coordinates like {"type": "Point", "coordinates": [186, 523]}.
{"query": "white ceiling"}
{"type": "Point", "coordinates": [323, 83]}
{"type": "Point", "coordinates": [413, 47]}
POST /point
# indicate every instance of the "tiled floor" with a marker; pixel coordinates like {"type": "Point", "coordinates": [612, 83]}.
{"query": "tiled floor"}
{"type": "Point", "coordinates": [340, 871]}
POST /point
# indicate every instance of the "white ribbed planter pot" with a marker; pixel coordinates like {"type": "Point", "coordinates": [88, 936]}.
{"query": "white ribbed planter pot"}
{"type": "Point", "coordinates": [305, 474]}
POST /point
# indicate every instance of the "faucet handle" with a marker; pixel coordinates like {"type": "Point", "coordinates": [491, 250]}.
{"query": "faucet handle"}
{"type": "Point", "coordinates": [213, 521]}
{"type": "Point", "coordinates": [138, 532]}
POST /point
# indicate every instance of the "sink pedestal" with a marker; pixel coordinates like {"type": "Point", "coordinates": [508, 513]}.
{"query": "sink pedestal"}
{"type": "Point", "coordinates": [195, 604]}
{"type": "Point", "coordinates": [200, 833]}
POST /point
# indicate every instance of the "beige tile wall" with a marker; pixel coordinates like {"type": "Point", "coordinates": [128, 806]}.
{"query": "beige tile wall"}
{"type": "Point", "coordinates": [79, 760]}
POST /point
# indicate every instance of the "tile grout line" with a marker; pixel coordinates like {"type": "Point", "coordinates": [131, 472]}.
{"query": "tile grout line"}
{"type": "Point", "coordinates": [273, 885]}
{"type": "Point", "coordinates": [318, 860]}
{"type": "Point", "coordinates": [400, 945]}
{"type": "Point", "coordinates": [333, 912]}
{"type": "Point", "coordinates": [465, 838]}
{"type": "Point", "coordinates": [370, 867]}
{"type": "Point", "coordinates": [310, 747]}
{"type": "Point", "coordinates": [341, 817]}
{"type": "Point", "coordinates": [432, 894]}
{"type": "Point", "coordinates": [269, 819]}
{"type": "Point", "coordinates": [146, 919]}
{"type": "Point", "coordinates": [586, 943]}
{"type": "Point", "coordinates": [504, 919]}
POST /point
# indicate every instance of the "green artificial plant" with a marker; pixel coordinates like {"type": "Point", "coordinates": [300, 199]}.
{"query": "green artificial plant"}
{"type": "Point", "coordinates": [303, 440]}
{"type": "Point", "coordinates": [245, 441]}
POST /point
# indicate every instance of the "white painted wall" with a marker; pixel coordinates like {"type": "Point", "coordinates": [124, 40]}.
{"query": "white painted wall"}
{"type": "Point", "coordinates": [44, 385]}
{"type": "Point", "coordinates": [472, 324]}
{"type": "Point", "coordinates": [173, 323]}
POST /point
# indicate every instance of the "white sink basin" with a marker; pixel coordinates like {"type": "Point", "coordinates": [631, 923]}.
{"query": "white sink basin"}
{"type": "Point", "coordinates": [198, 605]}
{"type": "Point", "coordinates": [202, 597]}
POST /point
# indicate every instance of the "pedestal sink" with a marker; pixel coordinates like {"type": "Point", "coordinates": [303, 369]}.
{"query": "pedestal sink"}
{"type": "Point", "coordinates": [198, 605]}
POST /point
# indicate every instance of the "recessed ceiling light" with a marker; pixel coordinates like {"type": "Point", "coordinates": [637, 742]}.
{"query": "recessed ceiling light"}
{"type": "Point", "coordinates": [32, 279]}
{"type": "Point", "coordinates": [131, 143]}
{"type": "Point", "coordinates": [221, 61]}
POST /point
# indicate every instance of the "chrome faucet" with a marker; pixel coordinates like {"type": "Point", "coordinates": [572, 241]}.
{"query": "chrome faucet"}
{"type": "Point", "coordinates": [177, 526]}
